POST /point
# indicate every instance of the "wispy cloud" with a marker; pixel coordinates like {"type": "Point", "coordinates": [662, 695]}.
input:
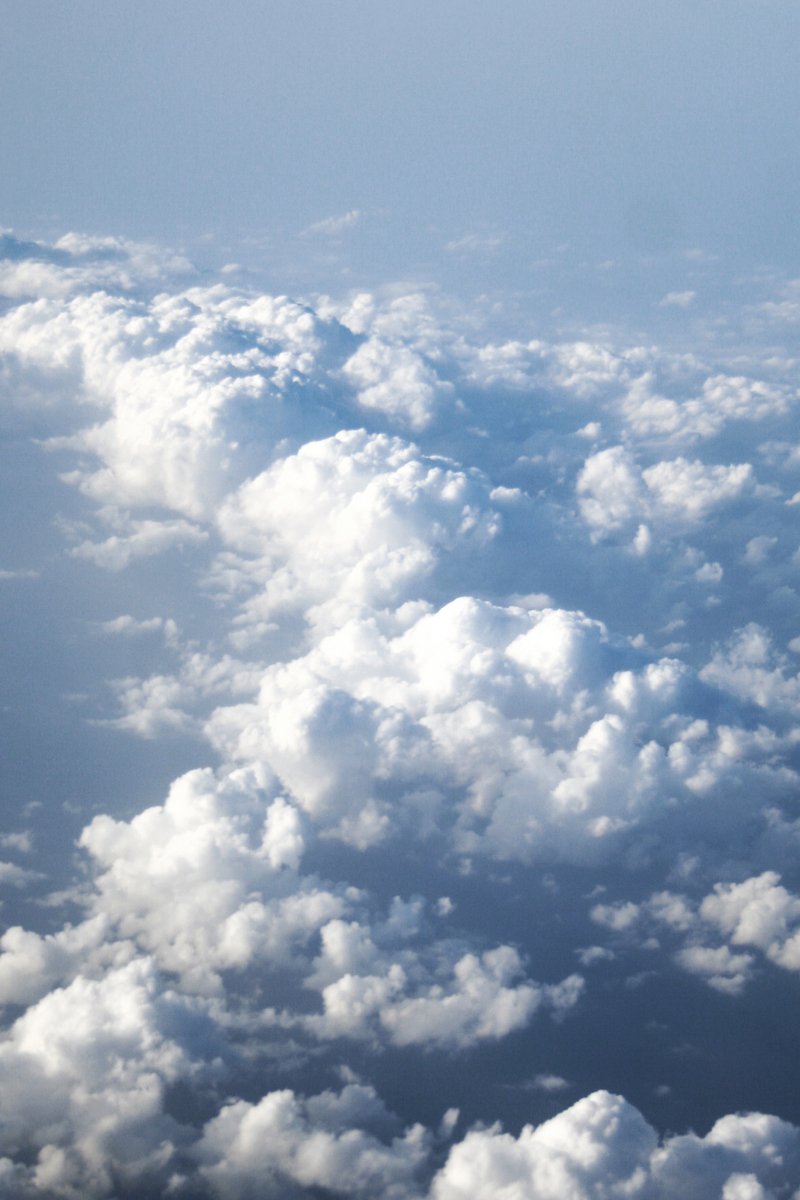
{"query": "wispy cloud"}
{"type": "Point", "coordinates": [334, 226]}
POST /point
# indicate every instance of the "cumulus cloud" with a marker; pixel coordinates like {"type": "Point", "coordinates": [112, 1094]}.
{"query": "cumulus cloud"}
{"type": "Point", "coordinates": [425, 705]}
{"type": "Point", "coordinates": [84, 1074]}
{"type": "Point", "coordinates": [483, 999]}
{"type": "Point", "coordinates": [350, 522]}
{"type": "Point", "coordinates": [718, 934]}
{"type": "Point", "coordinates": [392, 652]}
{"type": "Point", "coordinates": [536, 716]}
{"type": "Point", "coordinates": [395, 380]}
{"type": "Point", "coordinates": [288, 1145]}
{"type": "Point", "coordinates": [602, 1146]}
{"type": "Point", "coordinates": [614, 491]}
{"type": "Point", "coordinates": [749, 667]}
{"type": "Point", "coordinates": [206, 882]}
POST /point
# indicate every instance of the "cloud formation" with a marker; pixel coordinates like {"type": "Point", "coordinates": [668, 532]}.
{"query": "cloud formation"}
{"type": "Point", "coordinates": [450, 616]}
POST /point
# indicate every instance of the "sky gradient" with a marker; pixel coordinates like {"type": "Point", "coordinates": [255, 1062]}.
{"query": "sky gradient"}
{"type": "Point", "coordinates": [399, 580]}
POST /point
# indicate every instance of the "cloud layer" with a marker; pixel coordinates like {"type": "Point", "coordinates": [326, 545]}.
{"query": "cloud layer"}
{"type": "Point", "coordinates": [440, 616]}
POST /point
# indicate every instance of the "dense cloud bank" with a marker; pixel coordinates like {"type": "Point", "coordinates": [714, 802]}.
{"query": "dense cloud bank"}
{"type": "Point", "coordinates": [507, 615]}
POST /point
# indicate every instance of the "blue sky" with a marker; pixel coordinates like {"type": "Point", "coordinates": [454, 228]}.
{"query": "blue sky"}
{"type": "Point", "coordinates": [582, 131]}
{"type": "Point", "coordinates": [399, 580]}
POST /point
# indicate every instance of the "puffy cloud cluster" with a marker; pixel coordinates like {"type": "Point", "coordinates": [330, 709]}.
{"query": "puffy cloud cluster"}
{"type": "Point", "coordinates": [348, 523]}
{"type": "Point", "coordinates": [463, 696]}
{"type": "Point", "coordinates": [719, 933]}
{"type": "Point", "coordinates": [473, 1000]}
{"type": "Point", "coordinates": [615, 493]}
{"type": "Point", "coordinates": [602, 1148]}
{"type": "Point", "coordinates": [749, 667]}
{"type": "Point", "coordinates": [379, 671]}
{"type": "Point", "coordinates": [207, 884]}
{"type": "Point", "coordinates": [203, 883]}
{"type": "Point", "coordinates": [523, 733]}
{"type": "Point", "coordinates": [84, 1073]}
{"type": "Point", "coordinates": [289, 1146]}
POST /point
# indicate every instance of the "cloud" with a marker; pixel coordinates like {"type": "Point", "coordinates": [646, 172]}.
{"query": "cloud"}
{"type": "Point", "coordinates": [84, 1073]}
{"type": "Point", "coordinates": [435, 702]}
{"type": "Point", "coordinates": [127, 626]}
{"type": "Point", "coordinates": [351, 522]}
{"type": "Point", "coordinates": [614, 491]}
{"type": "Point", "coordinates": [473, 999]}
{"type": "Point", "coordinates": [395, 380]}
{"type": "Point", "coordinates": [719, 932]}
{"type": "Point", "coordinates": [550, 1083]}
{"type": "Point", "coordinates": [749, 667]}
{"type": "Point", "coordinates": [335, 226]}
{"type": "Point", "coordinates": [206, 882]}
{"type": "Point", "coordinates": [146, 538]}
{"type": "Point", "coordinates": [475, 243]}
{"type": "Point", "coordinates": [602, 1146]}
{"type": "Point", "coordinates": [758, 912]}
{"type": "Point", "coordinates": [532, 724]}
{"type": "Point", "coordinates": [18, 573]}
{"type": "Point", "coordinates": [678, 299]}
{"type": "Point", "coordinates": [286, 1142]}
{"type": "Point", "coordinates": [758, 549]}
{"type": "Point", "coordinates": [445, 746]}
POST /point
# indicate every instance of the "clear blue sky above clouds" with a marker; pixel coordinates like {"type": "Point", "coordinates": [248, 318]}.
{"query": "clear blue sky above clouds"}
{"type": "Point", "coordinates": [613, 124]}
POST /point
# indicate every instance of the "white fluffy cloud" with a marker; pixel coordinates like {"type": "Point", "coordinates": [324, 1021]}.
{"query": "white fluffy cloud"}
{"type": "Point", "coordinates": [395, 380]}
{"type": "Point", "coordinates": [350, 522]}
{"type": "Point", "coordinates": [204, 883]}
{"type": "Point", "coordinates": [287, 1146]}
{"type": "Point", "coordinates": [360, 633]}
{"type": "Point", "coordinates": [615, 492]}
{"type": "Point", "coordinates": [556, 747]}
{"type": "Point", "coordinates": [749, 667]}
{"type": "Point", "coordinates": [459, 1003]}
{"type": "Point", "coordinates": [84, 1073]}
{"type": "Point", "coordinates": [719, 933]}
{"type": "Point", "coordinates": [603, 1148]}
{"type": "Point", "coordinates": [207, 882]}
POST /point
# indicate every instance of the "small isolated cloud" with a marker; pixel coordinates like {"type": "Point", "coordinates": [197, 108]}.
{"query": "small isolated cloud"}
{"type": "Point", "coordinates": [128, 626]}
{"type": "Point", "coordinates": [749, 666]}
{"type": "Point", "coordinates": [718, 934]}
{"type": "Point", "coordinates": [21, 842]}
{"type": "Point", "coordinates": [476, 244]}
{"type": "Point", "coordinates": [18, 573]}
{"type": "Point", "coordinates": [677, 299]}
{"type": "Point", "coordinates": [589, 955]}
{"type": "Point", "coordinates": [549, 1083]}
{"type": "Point", "coordinates": [758, 549]}
{"type": "Point", "coordinates": [334, 226]}
{"type": "Point", "coordinates": [12, 875]}
{"type": "Point", "coordinates": [709, 572]}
